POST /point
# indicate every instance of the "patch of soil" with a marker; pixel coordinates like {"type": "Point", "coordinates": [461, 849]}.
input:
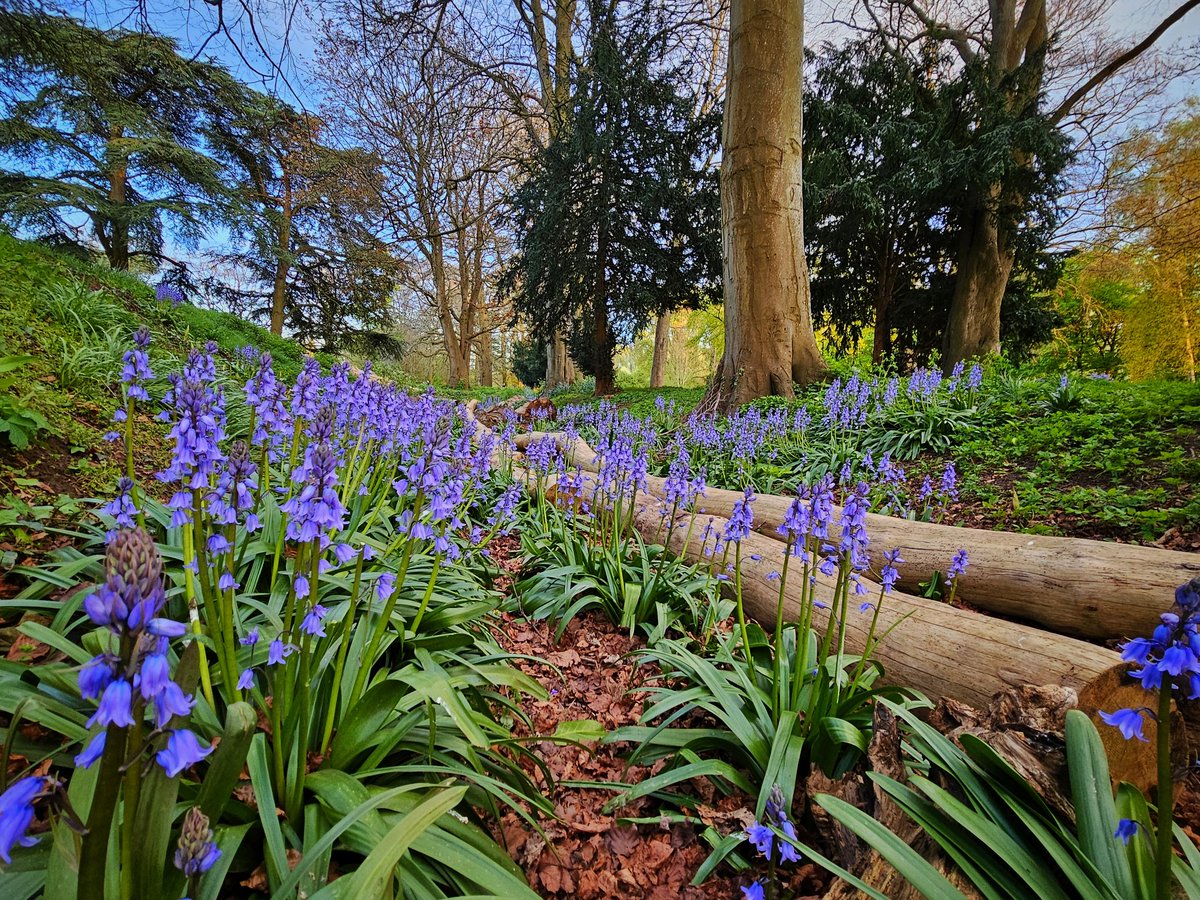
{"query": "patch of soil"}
{"type": "Point", "coordinates": [50, 461]}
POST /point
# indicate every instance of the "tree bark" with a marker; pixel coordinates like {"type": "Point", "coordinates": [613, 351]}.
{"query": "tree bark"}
{"type": "Point", "coordinates": [769, 340]}
{"type": "Point", "coordinates": [117, 248]}
{"type": "Point", "coordinates": [282, 265]}
{"type": "Point", "coordinates": [483, 360]}
{"type": "Point", "coordinates": [602, 360]}
{"type": "Point", "coordinates": [662, 343]}
{"type": "Point", "coordinates": [985, 260]}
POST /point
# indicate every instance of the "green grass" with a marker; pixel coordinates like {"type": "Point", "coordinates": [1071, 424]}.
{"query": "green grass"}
{"type": "Point", "coordinates": [76, 319]}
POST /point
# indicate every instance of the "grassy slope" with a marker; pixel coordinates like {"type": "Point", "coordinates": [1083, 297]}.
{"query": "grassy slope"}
{"type": "Point", "coordinates": [76, 319]}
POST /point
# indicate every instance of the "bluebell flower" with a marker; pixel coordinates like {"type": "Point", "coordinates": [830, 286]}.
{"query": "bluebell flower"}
{"type": "Point", "coordinates": [762, 837]}
{"type": "Point", "coordinates": [1128, 720]}
{"type": "Point", "coordinates": [167, 628]}
{"type": "Point", "coordinates": [753, 891]}
{"type": "Point", "coordinates": [958, 564]}
{"type": "Point", "coordinates": [121, 507]}
{"type": "Point", "coordinates": [97, 674]}
{"type": "Point", "coordinates": [93, 751]}
{"type": "Point", "coordinates": [183, 750]}
{"type": "Point", "coordinates": [153, 676]}
{"type": "Point", "coordinates": [889, 575]}
{"type": "Point", "coordinates": [196, 852]}
{"type": "Point", "coordinates": [384, 586]}
{"type": "Point", "coordinates": [171, 702]}
{"type": "Point", "coordinates": [1126, 828]}
{"type": "Point", "coordinates": [312, 623]}
{"type": "Point", "coordinates": [251, 637]}
{"type": "Point", "coordinates": [16, 814]}
{"type": "Point", "coordinates": [278, 652]}
{"type": "Point", "coordinates": [301, 587]}
{"type": "Point", "coordinates": [115, 706]}
{"type": "Point", "coordinates": [246, 680]}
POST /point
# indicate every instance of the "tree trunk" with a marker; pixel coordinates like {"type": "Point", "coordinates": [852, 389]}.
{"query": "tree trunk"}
{"type": "Point", "coordinates": [985, 260]}
{"type": "Point", "coordinates": [662, 342]}
{"type": "Point", "coordinates": [560, 369]}
{"type": "Point", "coordinates": [603, 359]}
{"type": "Point", "coordinates": [282, 266]}
{"type": "Point", "coordinates": [118, 235]}
{"type": "Point", "coordinates": [483, 360]}
{"type": "Point", "coordinates": [769, 340]}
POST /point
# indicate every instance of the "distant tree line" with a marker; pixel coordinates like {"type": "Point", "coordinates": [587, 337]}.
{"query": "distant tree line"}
{"type": "Point", "coordinates": [114, 139]}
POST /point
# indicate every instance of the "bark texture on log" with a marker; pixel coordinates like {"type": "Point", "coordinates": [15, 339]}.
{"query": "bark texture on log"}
{"type": "Point", "coordinates": [938, 649]}
{"type": "Point", "coordinates": [1093, 589]}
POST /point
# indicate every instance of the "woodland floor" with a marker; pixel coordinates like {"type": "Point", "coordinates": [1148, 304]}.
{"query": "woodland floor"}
{"type": "Point", "coordinates": [592, 673]}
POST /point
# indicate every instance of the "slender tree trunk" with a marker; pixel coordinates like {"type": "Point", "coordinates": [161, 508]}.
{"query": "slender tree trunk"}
{"type": "Point", "coordinates": [118, 236]}
{"type": "Point", "coordinates": [484, 360]}
{"type": "Point", "coordinates": [560, 369]}
{"type": "Point", "coordinates": [662, 344]}
{"type": "Point", "coordinates": [769, 340]}
{"type": "Point", "coordinates": [603, 359]}
{"type": "Point", "coordinates": [282, 267]}
{"type": "Point", "coordinates": [984, 263]}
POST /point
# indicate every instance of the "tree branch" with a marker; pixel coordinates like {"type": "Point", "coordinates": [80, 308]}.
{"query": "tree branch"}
{"type": "Point", "coordinates": [1121, 60]}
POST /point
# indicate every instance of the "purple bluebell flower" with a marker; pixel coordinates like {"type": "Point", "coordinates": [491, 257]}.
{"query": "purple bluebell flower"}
{"type": "Point", "coordinates": [317, 509]}
{"type": "Point", "coordinates": [196, 852]}
{"type": "Point", "coordinates": [1128, 720]}
{"type": "Point", "coordinates": [169, 292]}
{"type": "Point", "coordinates": [958, 564]}
{"type": "Point", "coordinates": [136, 372]}
{"type": "Point", "coordinates": [278, 652]}
{"type": "Point", "coordinates": [889, 575]}
{"type": "Point", "coordinates": [121, 507]}
{"type": "Point", "coordinates": [251, 637]}
{"type": "Point", "coordinates": [246, 680]}
{"type": "Point", "coordinates": [975, 377]}
{"type": "Point", "coordinates": [741, 520]}
{"type": "Point", "coordinates": [153, 676]}
{"type": "Point", "coordinates": [93, 751]}
{"type": "Point", "coordinates": [384, 586]}
{"type": "Point", "coordinates": [183, 751]}
{"type": "Point", "coordinates": [1126, 828]}
{"type": "Point", "coordinates": [170, 702]}
{"type": "Point", "coordinates": [16, 814]}
{"type": "Point", "coordinates": [97, 674]}
{"type": "Point", "coordinates": [753, 891]}
{"type": "Point", "coordinates": [312, 623]}
{"type": "Point", "coordinates": [762, 837]}
{"type": "Point", "coordinates": [115, 706]}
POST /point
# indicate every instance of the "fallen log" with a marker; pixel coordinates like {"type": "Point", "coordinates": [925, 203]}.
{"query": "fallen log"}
{"type": "Point", "coordinates": [938, 649]}
{"type": "Point", "coordinates": [1094, 589]}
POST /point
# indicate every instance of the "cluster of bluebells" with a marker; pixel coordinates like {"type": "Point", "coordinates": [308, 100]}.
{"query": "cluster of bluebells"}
{"type": "Point", "coordinates": [133, 678]}
{"type": "Point", "coordinates": [135, 375]}
{"type": "Point", "coordinates": [196, 851]}
{"type": "Point", "coordinates": [729, 450]}
{"type": "Point", "coordinates": [765, 840]}
{"type": "Point", "coordinates": [1169, 659]}
{"type": "Point", "coordinates": [169, 292]}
